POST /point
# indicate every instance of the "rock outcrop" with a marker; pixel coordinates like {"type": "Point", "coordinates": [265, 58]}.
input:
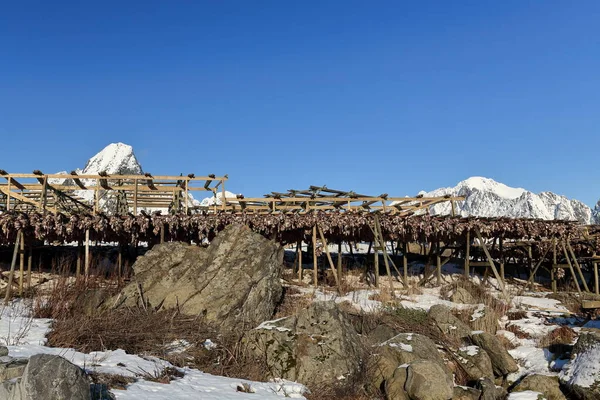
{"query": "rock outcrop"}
{"type": "Point", "coordinates": [547, 385]}
{"type": "Point", "coordinates": [448, 323]}
{"type": "Point", "coordinates": [233, 283]}
{"type": "Point", "coordinates": [502, 362]}
{"type": "Point", "coordinates": [47, 377]}
{"type": "Point", "coordinates": [476, 362]}
{"type": "Point", "coordinates": [420, 380]}
{"type": "Point", "coordinates": [318, 345]}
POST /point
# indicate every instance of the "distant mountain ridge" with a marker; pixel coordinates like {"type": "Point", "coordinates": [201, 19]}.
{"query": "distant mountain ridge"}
{"type": "Point", "coordinates": [484, 197]}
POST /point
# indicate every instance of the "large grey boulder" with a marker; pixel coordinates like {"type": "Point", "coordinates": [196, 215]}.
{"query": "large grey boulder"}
{"type": "Point", "coordinates": [48, 377]}
{"type": "Point", "coordinates": [489, 390]}
{"type": "Point", "coordinates": [475, 362]}
{"type": "Point", "coordinates": [448, 323]}
{"type": "Point", "coordinates": [403, 349]}
{"type": "Point", "coordinates": [233, 283]}
{"type": "Point", "coordinates": [466, 393]}
{"type": "Point", "coordinates": [582, 374]}
{"type": "Point", "coordinates": [502, 362]}
{"type": "Point", "coordinates": [318, 345]}
{"type": "Point", "coordinates": [426, 380]}
{"type": "Point", "coordinates": [547, 385]}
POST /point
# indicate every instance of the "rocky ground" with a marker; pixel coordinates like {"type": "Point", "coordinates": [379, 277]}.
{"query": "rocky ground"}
{"type": "Point", "coordinates": [192, 313]}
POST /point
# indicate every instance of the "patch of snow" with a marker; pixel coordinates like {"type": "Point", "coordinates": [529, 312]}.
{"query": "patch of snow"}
{"type": "Point", "coordinates": [470, 350]}
{"type": "Point", "coordinates": [526, 395]}
{"type": "Point", "coordinates": [479, 312]}
{"type": "Point", "coordinates": [584, 369]}
{"type": "Point", "coordinates": [270, 325]}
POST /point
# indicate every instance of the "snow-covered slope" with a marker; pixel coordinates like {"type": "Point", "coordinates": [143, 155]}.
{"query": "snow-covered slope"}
{"type": "Point", "coordinates": [487, 198]}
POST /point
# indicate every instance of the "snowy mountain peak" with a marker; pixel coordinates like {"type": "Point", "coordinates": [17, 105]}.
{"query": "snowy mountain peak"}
{"type": "Point", "coordinates": [116, 158]}
{"type": "Point", "coordinates": [489, 185]}
{"type": "Point", "coordinates": [485, 197]}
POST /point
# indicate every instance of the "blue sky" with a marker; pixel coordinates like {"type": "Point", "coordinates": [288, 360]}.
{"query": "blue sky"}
{"type": "Point", "coordinates": [373, 97]}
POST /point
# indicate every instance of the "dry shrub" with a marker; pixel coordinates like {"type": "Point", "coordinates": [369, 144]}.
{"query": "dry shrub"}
{"type": "Point", "coordinates": [559, 336]}
{"type": "Point", "coordinates": [520, 333]}
{"type": "Point", "coordinates": [112, 381]}
{"type": "Point", "coordinates": [570, 300]}
{"type": "Point", "coordinates": [66, 295]}
{"type": "Point", "coordinates": [293, 300]}
{"type": "Point", "coordinates": [516, 315]}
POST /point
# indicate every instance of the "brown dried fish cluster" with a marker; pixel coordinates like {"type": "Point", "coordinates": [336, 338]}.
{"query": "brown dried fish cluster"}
{"type": "Point", "coordinates": [286, 228]}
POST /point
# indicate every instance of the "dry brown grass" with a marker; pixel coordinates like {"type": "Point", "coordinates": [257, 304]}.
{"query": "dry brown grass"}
{"type": "Point", "coordinates": [516, 315]}
{"type": "Point", "coordinates": [520, 333]}
{"type": "Point", "coordinates": [559, 336]}
{"type": "Point", "coordinates": [293, 300]}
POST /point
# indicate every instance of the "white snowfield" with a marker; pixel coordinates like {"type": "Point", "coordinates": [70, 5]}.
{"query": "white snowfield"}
{"type": "Point", "coordinates": [25, 336]}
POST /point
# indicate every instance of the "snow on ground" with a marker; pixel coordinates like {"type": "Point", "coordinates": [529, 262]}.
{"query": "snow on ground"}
{"type": "Point", "coordinates": [586, 370]}
{"type": "Point", "coordinates": [526, 395]}
{"type": "Point", "coordinates": [26, 336]}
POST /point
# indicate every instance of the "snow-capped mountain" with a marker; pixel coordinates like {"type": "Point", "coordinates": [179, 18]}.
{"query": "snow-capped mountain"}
{"type": "Point", "coordinates": [116, 158]}
{"type": "Point", "coordinates": [119, 159]}
{"type": "Point", "coordinates": [485, 197]}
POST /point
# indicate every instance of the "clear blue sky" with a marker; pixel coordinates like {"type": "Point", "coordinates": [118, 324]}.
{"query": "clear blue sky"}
{"type": "Point", "coordinates": [371, 96]}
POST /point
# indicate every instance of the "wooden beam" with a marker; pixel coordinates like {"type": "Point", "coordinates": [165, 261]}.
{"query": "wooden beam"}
{"type": "Point", "coordinates": [467, 253]}
{"type": "Point", "coordinates": [571, 267]}
{"type": "Point", "coordinates": [314, 245]}
{"type": "Point", "coordinates": [577, 266]}
{"type": "Point", "coordinates": [11, 274]}
{"type": "Point", "coordinates": [333, 271]}
{"type": "Point", "coordinates": [489, 257]}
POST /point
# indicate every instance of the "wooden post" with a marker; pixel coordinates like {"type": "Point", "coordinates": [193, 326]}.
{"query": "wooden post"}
{"type": "Point", "coordinates": [453, 208]}
{"type": "Point", "coordinates": [87, 253]}
{"type": "Point", "coordinates": [405, 264]}
{"type": "Point", "coordinates": [162, 233]}
{"type": "Point", "coordinates": [8, 196]}
{"type": "Point", "coordinates": [596, 278]}
{"type": "Point", "coordinates": [554, 266]}
{"type": "Point", "coordinates": [502, 258]}
{"type": "Point", "coordinates": [97, 197]}
{"type": "Point", "coordinates": [135, 196]}
{"type": "Point", "coordinates": [79, 257]}
{"type": "Point", "coordinates": [21, 265]}
{"type": "Point", "coordinates": [571, 268]}
{"type": "Point", "coordinates": [12, 267]}
{"type": "Point", "coordinates": [468, 254]}
{"type": "Point", "coordinates": [314, 243]}
{"type": "Point", "coordinates": [339, 261]}
{"type": "Point", "coordinates": [187, 182]}
{"type": "Point", "coordinates": [29, 262]}
{"type": "Point", "coordinates": [577, 266]}
{"type": "Point", "coordinates": [534, 270]}
{"type": "Point", "coordinates": [300, 261]}
{"type": "Point", "coordinates": [120, 262]}
{"type": "Point", "coordinates": [491, 261]}
{"type": "Point", "coordinates": [333, 271]}
{"type": "Point", "coordinates": [438, 266]}
{"type": "Point", "coordinates": [376, 265]}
